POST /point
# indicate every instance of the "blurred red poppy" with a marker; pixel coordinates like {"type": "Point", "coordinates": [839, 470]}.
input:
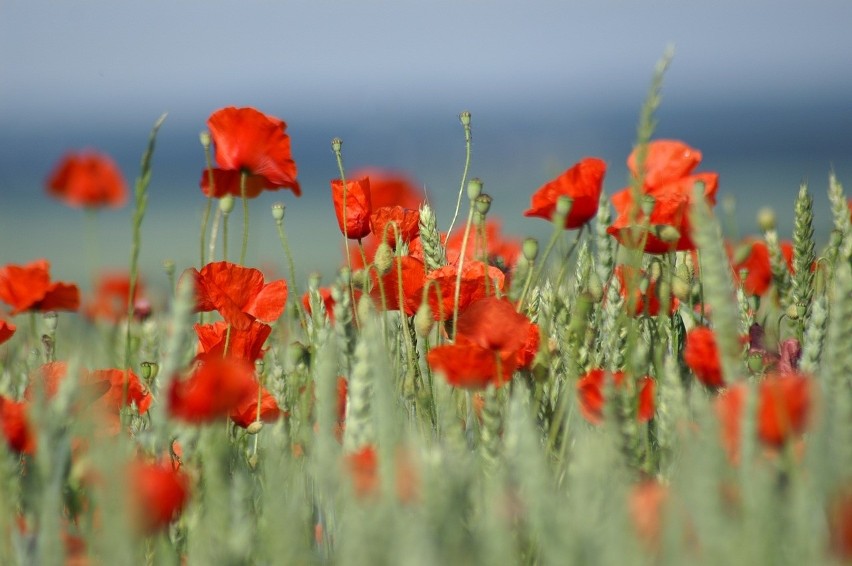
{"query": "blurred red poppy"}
{"type": "Point", "coordinates": [783, 410]}
{"type": "Point", "coordinates": [328, 301]}
{"type": "Point", "coordinates": [387, 294]}
{"type": "Point", "coordinates": [88, 179]}
{"type": "Point", "coordinates": [441, 285]}
{"type": "Point", "coordinates": [28, 288]}
{"type": "Point", "coordinates": [669, 181]}
{"type": "Point", "coordinates": [840, 521]}
{"type": "Point", "coordinates": [247, 140]}
{"type": "Point", "coordinates": [501, 251]}
{"type": "Point", "coordinates": [358, 208]}
{"type": "Point", "coordinates": [590, 393]}
{"type": "Point", "coordinates": [245, 413]}
{"type": "Point", "coordinates": [702, 356]}
{"type": "Point", "coordinates": [238, 293]}
{"type": "Point", "coordinates": [215, 388]}
{"type": "Point", "coordinates": [406, 220]}
{"type": "Point", "coordinates": [647, 303]}
{"type": "Point", "coordinates": [159, 493]}
{"type": "Point", "coordinates": [582, 183]}
{"type": "Point", "coordinates": [391, 188]}
{"type": "Point", "coordinates": [363, 467]}
{"type": "Point", "coordinates": [753, 256]}
{"type": "Point", "coordinates": [119, 380]}
{"type": "Point", "coordinates": [246, 343]}
{"type": "Point", "coordinates": [15, 427]}
{"type": "Point", "coordinates": [7, 329]}
{"type": "Point", "coordinates": [109, 301]}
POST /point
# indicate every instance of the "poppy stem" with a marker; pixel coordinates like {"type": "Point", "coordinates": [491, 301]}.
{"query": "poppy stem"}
{"type": "Point", "coordinates": [336, 145]}
{"type": "Point", "coordinates": [205, 141]}
{"type": "Point", "coordinates": [457, 291]}
{"type": "Point", "coordinates": [536, 273]}
{"type": "Point", "coordinates": [465, 120]}
{"type": "Point", "coordinates": [282, 236]}
{"type": "Point", "coordinates": [243, 180]}
{"type": "Point", "coordinates": [214, 233]}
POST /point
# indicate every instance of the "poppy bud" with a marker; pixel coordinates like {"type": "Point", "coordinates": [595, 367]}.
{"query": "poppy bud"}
{"type": "Point", "coordinates": [655, 270]}
{"type": "Point", "coordinates": [668, 234]}
{"type": "Point", "coordinates": [680, 288]}
{"type": "Point", "coordinates": [361, 280]}
{"type": "Point", "coordinates": [647, 204]}
{"type": "Point", "coordinates": [755, 363]}
{"type": "Point", "coordinates": [204, 138]}
{"type": "Point", "coordinates": [483, 204]}
{"type": "Point", "coordinates": [465, 118]}
{"type": "Point", "coordinates": [254, 427]}
{"type": "Point", "coordinates": [50, 322]}
{"type": "Point", "coordinates": [365, 307]}
{"type": "Point", "coordinates": [423, 320]}
{"type": "Point", "coordinates": [595, 286]}
{"type": "Point", "coordinates": [383, 259]}
{"type": "Point", "coordinates": [336, 144]}
{"type": "Point", "coordinates": [530, 249]}
{"type": "Point", "coordinates": [766, 219]}
{"type": "Point", "coordinates": [226, 204]}
{"type": "Point", "coordinates": [149, 371]}
{"type": "Point", "coordinates": [563, 207]}
{"type": "Point", "coordinates": [474, 188]}
{"type": "Point", "coordinates": [258, 367]}
{"type": "Point", "coordinates": [792, 311]}
{"type": "Point", "coordinates": [278, 212]}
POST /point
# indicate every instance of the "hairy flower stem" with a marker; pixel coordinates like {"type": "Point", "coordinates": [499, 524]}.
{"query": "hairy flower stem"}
{"type": "Point", "coordinates": [244, 248]}
{"type": "Point", "coordinates": [460, 266]}
{"type": "Point", "coordinates": [211, 191]}
{"type": "Point", "coordinates": [225, 216]}
{"type": "Point", "coordinates": [291, 266]}
{"type": "Point", "coordinates": [336, 145]}
{"type": "Point", "coordinates": [465, 120]}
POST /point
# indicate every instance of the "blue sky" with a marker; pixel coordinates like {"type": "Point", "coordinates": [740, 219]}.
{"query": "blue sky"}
{"type": "Point", "coordinates": [763, 88]}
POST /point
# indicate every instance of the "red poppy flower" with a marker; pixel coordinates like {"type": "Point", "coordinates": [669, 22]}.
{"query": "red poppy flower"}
{"type": "Point", "coordinates": [118, 380]}
{"type": "Point", "coordinates": [494, 324]}
{"type": "Point", "coordinates": [753, 256]}
{"type": "Point", "coordinates": [413, 275]}
{"type": "Point", "coordinates": [470, 366]}
{"type": "Point", "coordinates": [406, 220]}
{"type": "Point", "coordinates": [590, 392]}
{"type": "Point", "coordinates": [328, 301]}
{"type": "Point", "coordinates": [702, 356]}
{"type": "Point", "coordinates": [110, 297]}
{"type": "Point", "coordinates": [244, 343]}
{"type": "Point", "coordinates": [442, 283]}
{"type": "Point", "coordinates": [526, 355]}
{"type": "Point", "coordinates": [669, 181]}
{"type": "Point", "coordinates": [363, 467]}
{"type": "Point", "coordinates": [357, 205]}
{"type": "Point", "coordinates": [215, 388]}
{"type": "Point", "coordinates": [647, 303]}
{"type": "Point", "coordinates": [15, 427]}
{"type": "Point", "coordinates": [28, 288]}
{"type": "Point", "coordinates": [582, 183]}
{"type": "Point", "coordinates": [390, 188]}
{"type": "Point", "coordinates": [238, 293]}
{"type": "Point", "coordinates": [250, 141]}
{"type": "Point", "coordinates": [501, 251]}
{"type": "Point", "coordinates": [646, 503]}
{"type": "Point", "coordinates": [7, 329]}
{"type": "Point", "coordinates": [245, 413]}
{"type": "Point", "coordinates": [783, 409]}
{"type": "Point", "coordinates": [159, 493]}
{"type": "Point", "coordinates": [88, 179]}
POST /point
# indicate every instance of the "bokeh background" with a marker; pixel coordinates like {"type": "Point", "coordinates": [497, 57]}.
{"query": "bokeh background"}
{"type": "Point", "coordinates": [764, 89]}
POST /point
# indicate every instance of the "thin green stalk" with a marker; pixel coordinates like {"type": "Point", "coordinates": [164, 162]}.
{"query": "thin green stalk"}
{"type": "Point", "coordinates": [460, 266]}
{"type": "Point", "coordinates": [278, 214]}
{"type": "Point", "coordinates": [205, 142]}
{"type": "Point", "coordinates": [465, 120]}
{"type": "Point", "coordinates": [243, 180]}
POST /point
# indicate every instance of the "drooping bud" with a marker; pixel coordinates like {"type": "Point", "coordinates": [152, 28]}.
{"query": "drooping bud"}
{"type": "Point", "coordinates": [423, 320]}
{"type": "Point", "coordinates": [254, 427]}
{"type": "Point", "coordinates": [680, 288]}
{"type": "Point", "coordinates": [383, 259]}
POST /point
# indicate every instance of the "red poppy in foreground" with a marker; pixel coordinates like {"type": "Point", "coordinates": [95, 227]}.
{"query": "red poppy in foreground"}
{"type": "Point", "coordinates": [702, 356]}
{"type": "Point", "coordinates": [247, 140]}
{"type": "Point", "coordinates": [582, 183]}
{"type": "Point", "coordinates": [238, 293]}
{"type": "Point", "coordinates": [245, 413]}
{"type": "Point", "coordinates": [478, 280]}
{"type": "Point", "coordinates": [353, 203]}
{"type": "Point", "coordinates": [406, 221]}
{"type": "Point", "coordinates": [159, 493]}
{"type": "Point", "coordinates": [840, 521]}
{"type": "Point", "coordinates": [28, 288]}
{"type": "Point", "coordinates": [216, 387]}
{"type": "Point", "coordinates": [783, 410]}
{"type": "Point", "coordinates": [88, 179]}
{"type": "Point", "coordinates": [7, 329]}
{"type": "Point", "coordinates": [590, 393]}
{"type": "Point", "coordinates": [669, 181]}
{"type": "Point", "coordinates": [123, 386]}
{"type": "Point", "coordinates": [15, 427]}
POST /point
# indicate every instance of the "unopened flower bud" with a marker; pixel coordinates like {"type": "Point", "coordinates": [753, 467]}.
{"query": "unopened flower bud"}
{"type": "Point", "coordinates": [655, 270]}
{"type": "Point", "coordinates": [254, 427]}
{"type": "Point", "coordinates": [336, 144]}
{"type": "Point", "coordinates": [595, 286]}
{"type": "Point", "coordinates": [278, 212]}
{"type": "Point", "coordinates": [383, 260]}
{"type": "Point", "coordinates": [755, 363]}
{"type": "Point", "coordinates": [563, 205]}
{"type": "Point", "coordinates": [646, 204]}
{"type": "Point", "coordinates": [530, 249]}
{"type": "Point", "coordinates": [483, 204]}
{"type": "Point", "coordinates": [668, 234]}
{"type": "Point", "coordinates": [680, 288]}
{"type": "Point", "coordinates": [149, 371]}
{"type": "Point", "coordinates": [361, 280]}
{"type": "Point", "coordinates": [204, 138]}
{"type": "Point", "coordinates": [766, 219]}
{"type": "Point", "coordinates": [226, 204]}
{"type": "Point", "coordinates": [792, 311]}
{"type": "Point", "coordinates": [423, 320]}
{"type": "Point", "coordinates": [474, 188]}
{"type": "Point", "coordinates": [258, 367]}
{"type": "Point", "coordinates": [465, 118]}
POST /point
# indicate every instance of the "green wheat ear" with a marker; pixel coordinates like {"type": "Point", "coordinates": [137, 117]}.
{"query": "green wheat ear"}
{"type": "Point", "coordinates": [433, 251]}
{"type": "Point", "coordinates": [840, 244]}
{"type": "Point", "coordinates": [803, 257]}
